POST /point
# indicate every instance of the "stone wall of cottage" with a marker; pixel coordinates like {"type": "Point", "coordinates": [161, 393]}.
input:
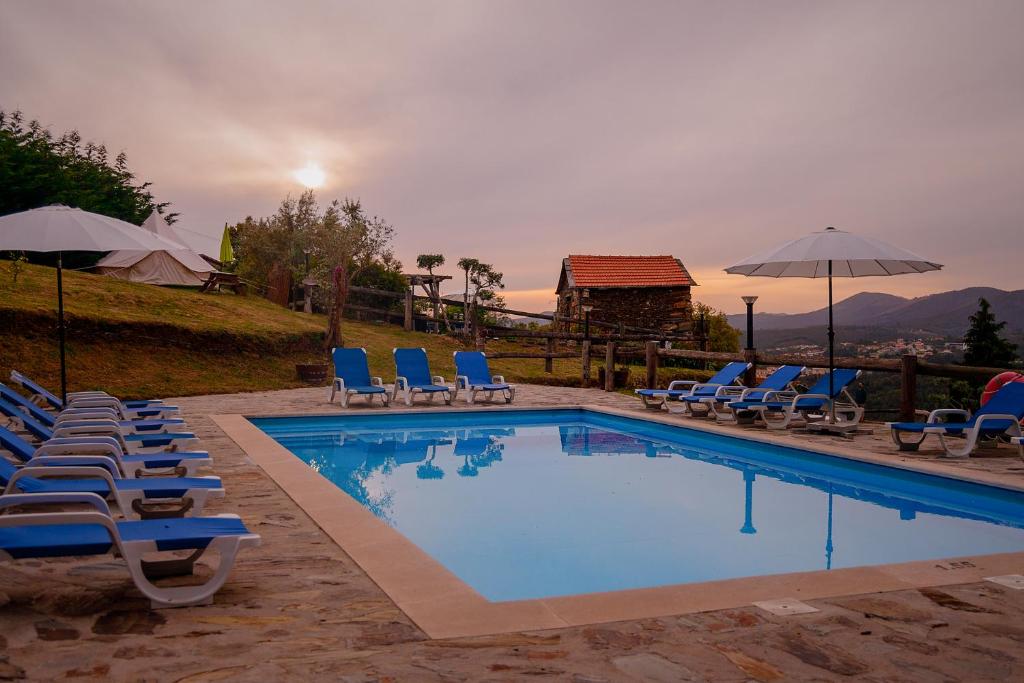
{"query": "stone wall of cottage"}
{"type": "Point", "coordinates": [658, 308]}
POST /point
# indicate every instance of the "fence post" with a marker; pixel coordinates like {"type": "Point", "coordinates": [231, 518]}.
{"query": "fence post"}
{"type": "Point", "coordinates": [908, 387]}
{"type": "Point", "coordinates": [408, 310]}
{"type": "Point", "coordinates": [609, 366]}
{"type": "Point", "coordinates": [750, 378]}
{"type": "Point", "coordinates": [651, 358]}
{"type": "Point", "coordinates": [585, 361]}
{"type": "Point", "coordinates": [549, 363]}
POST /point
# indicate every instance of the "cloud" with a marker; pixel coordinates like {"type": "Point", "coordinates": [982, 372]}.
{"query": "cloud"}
{"type": "Point", "coordinates": [519, 132]}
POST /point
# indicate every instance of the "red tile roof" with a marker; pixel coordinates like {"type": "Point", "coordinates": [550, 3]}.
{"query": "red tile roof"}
{"type": "Point", "coordinates": [628, 271]}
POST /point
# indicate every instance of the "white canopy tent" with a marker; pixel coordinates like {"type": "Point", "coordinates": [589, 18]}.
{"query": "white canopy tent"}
{"type": "Point", "coordinates": [173, 264]}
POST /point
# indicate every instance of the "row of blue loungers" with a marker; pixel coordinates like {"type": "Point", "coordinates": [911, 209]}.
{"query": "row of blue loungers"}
{"type": "Point", "coordinates": [413, 378]}
{"type": "Point", "coordinates": [94, 451]}
{"type": "Point", "coordinates": [777, 404]}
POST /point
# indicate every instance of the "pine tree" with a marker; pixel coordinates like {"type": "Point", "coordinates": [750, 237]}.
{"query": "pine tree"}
{"type": "Point", "coordinates": [984, 344]}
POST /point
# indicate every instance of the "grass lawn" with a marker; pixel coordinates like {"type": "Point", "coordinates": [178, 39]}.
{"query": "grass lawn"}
{"type": "Point", "coordinates": [133, 365]}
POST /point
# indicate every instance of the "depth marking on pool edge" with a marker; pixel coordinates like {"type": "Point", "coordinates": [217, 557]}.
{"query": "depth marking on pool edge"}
{"type": "Point", "coordinates": [464, 613]}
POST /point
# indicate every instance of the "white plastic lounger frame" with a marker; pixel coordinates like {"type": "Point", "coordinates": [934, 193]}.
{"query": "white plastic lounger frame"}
{"type": "Point", "coordinates": [338, 387]}
{"type": "Point", "coordinates": [658, 399]}
{"type": "Point", "coordinates": [132, 551]}
{"type": "Point", "coordinates": [408, 393]}
{"type": "Point", "coordinates": [1018, 441]}
{"type": "Point", "coordinates": [131, 503]}
{"type": "Point", "coordinates": [677, 406]}
{"type": "Point", "coordinates": [92, 446]}
{"type": "Point", "coordinates": [848, 413]}
{"type": "Point", "coordinates": [967, 439]}
{"type": "Point", "coordinates": [113, 429]}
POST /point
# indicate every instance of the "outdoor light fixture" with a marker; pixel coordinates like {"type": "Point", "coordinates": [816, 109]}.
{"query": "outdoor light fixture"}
{"type": "Point", "coordinates": [749, 301]}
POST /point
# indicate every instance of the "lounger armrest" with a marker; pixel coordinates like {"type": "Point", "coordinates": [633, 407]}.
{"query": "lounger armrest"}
{"type": "Point", "coordinates": [994, 417]}
{"type": "Point", "coordinates": [780, 396]}
{"type": "Point", "coordinates": [934, 416]}
{"type": "Point", "coordinates": [498, 379]}
{"type": "Point", "coordinates": [802, 397]}
{"type": "Point", "coordinates": [462, 381]}
{"type": "Point", "coordinates": [703, 385]}
{"type": "Point", "coordinates": [24, 499]}
{"type": "Point", "coordinates": [680, 384]}
{"type": "Point", "coordinates": [62, 462]}
{"type": "Point", "coordinates": [87, 429]}
{"type": "Point", "coordinates": [437, 379]}
{"type": "Point", "coordinates": [376, 382]}
{"type": "Point", "coordinates": [68, 412]}
{"type": "Point", "coordinates": [80, 472]}
{"type": "Point", "coordinates": [725, 391]}
{"type": "Point", "coordinates": [401, 383]}
{"type": "Point", "coordinates": [90, 445]}
{"type": "Point", "coordinates": [85, 415]}
{"type": "Point", "coordinates": [94, 402]}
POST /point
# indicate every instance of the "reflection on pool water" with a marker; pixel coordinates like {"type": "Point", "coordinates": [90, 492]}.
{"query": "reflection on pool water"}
{"type": "Point", "coordinates": [534, 503]}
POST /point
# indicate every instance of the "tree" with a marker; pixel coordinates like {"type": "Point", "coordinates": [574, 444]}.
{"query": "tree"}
{"type": "Point", "coordinates": [346, 243]}
{"type": "Point", "coordinates": [985, 346]}
{"type": "Point", "coordinates": [38, 169]}
{"type": "Point", "coordinates": [485, 281]}
{"type": "Point", "coordinates": [467, 265]}
{"type": "Point", "coordinates": [341, 243]}
{"type": "Point", "coordinates": [429, 262]}
{"type": "Point", "coordinates": [722, 336]}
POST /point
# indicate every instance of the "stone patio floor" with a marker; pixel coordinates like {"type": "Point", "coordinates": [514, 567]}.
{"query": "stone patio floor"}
{"type": "Point", "coordinates": [298, 608]}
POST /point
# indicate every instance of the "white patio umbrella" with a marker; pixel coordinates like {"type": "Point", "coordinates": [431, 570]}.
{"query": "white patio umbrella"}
{"type": "Point", "coordinates": [833, 253]}
{"type": "Point", "coordinates": [58, 228]}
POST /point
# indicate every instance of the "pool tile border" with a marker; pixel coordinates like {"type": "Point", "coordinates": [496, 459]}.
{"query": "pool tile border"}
{"type": "Point", "coordinates": [444, 606]}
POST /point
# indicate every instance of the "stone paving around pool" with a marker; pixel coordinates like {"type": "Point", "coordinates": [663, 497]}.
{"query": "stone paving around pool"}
{"type": "Point", "coordinates": [298, 607]}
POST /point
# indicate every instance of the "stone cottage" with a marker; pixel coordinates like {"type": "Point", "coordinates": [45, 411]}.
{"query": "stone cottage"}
{"type": "Point", "coordinates": [652, 292]}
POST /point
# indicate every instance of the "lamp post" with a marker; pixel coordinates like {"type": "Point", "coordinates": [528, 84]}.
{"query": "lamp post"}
{"type": "Point", "coordinates": [749, 301]}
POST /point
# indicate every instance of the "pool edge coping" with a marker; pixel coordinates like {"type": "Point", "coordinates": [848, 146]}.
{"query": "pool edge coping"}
{"type": "Point", "coordinates": [444, 606]}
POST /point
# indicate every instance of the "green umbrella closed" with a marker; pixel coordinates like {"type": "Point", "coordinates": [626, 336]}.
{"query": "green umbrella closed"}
{"type": "Point", "coordinates": [227, 254]}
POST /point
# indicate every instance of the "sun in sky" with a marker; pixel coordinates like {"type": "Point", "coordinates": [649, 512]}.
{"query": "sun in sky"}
{"type": "Point", "coordinates": [311, 175]}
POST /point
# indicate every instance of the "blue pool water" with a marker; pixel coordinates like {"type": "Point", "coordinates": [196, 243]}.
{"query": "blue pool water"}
{"type": "Point", "coordinates": [533, 503]}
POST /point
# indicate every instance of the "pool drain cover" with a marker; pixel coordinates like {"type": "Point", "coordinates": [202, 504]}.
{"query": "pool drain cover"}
{"type": "Point", "coordinates": [784, 607]}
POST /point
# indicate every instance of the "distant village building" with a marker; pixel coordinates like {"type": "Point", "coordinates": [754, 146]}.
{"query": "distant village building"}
{"type": "Point", "coordinates": [639, 291]}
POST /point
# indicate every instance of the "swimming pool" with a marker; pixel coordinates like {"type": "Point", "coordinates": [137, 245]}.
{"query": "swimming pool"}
{"type": "Point", "coordinates": [523, 504]}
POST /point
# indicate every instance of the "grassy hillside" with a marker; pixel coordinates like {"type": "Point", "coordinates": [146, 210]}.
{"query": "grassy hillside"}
{"type": "Point", "coordinates": [138, 340]}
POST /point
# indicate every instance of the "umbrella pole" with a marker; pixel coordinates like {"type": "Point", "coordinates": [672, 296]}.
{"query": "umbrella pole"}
{"type": "Point", "coordinates": [61, 334]}
{"type": "Point", "coordinates": [831, 351]}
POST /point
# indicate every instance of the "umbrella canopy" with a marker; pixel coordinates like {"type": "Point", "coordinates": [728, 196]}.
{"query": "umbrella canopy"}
{"type": "Point", "coordinates": [833, 253]}
{"type": "Point", "coordinates": [59, 228]}
{"type": "Point", "coordinates": [851, 256]}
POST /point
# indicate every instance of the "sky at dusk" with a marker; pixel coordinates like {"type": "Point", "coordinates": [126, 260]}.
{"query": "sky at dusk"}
{"type": "Point", "coordinates": [520, 132]}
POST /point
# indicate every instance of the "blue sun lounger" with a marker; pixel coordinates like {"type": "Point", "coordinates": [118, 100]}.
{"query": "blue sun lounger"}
{"type": "Point", "coordinates": [34, 535]}
{"type": "Point", "coordinates": [112, 444]}
{"type": "Point", "coordinates": [100, 474]}
{"type": "Point", "coordinates": [780, 379]}
{"type": "Point", "coordinates": [72, 415]}
{"type": "Point", "coordinates": [130, 441]}
{"type": "Point", "coordinates": [413, 377]}
{"type": "Point", "coordinates": [780, 409]}
{"type": "Point", "coordinates": [129, 410]}
{"type": "Point", "coordinates": [1001, 415]}
{"type": "Point", "coordinates": [473, 375]}
{"type": "Point", "coordinates": [658, 398]}
{"type": "Point", "coordinates": [352, 377]}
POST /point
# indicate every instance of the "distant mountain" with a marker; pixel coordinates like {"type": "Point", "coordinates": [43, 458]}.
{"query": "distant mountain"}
{"type": "Point", "coordinates": [945, 313]}
{"type": "Point", "coordinates": [527, 321]}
